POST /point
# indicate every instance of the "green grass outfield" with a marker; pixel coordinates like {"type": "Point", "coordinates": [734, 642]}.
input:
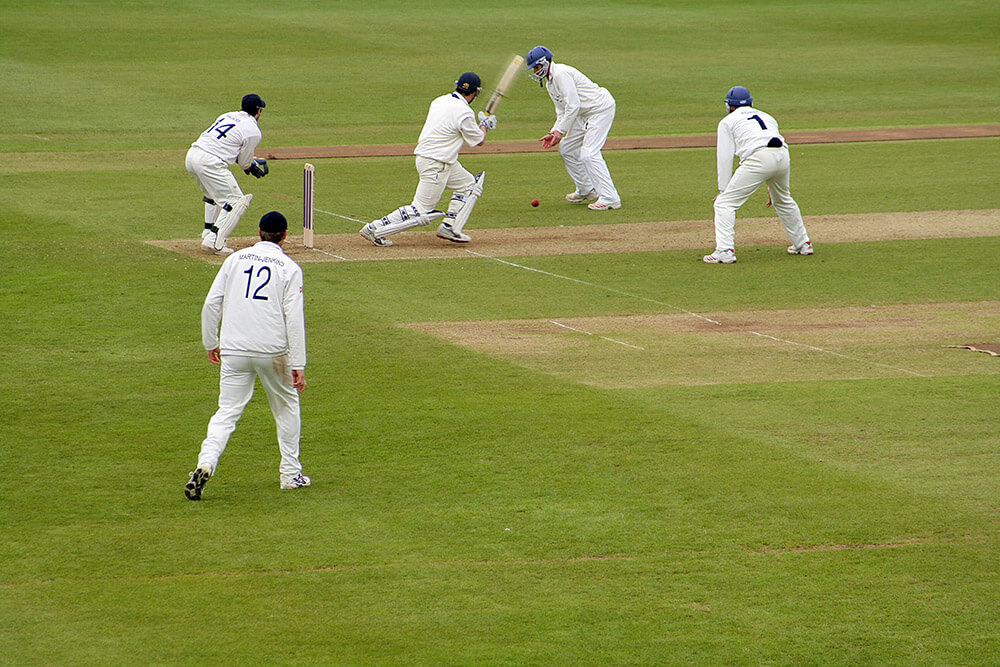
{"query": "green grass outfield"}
{"type": "Point", "coordinates": [470, 506]}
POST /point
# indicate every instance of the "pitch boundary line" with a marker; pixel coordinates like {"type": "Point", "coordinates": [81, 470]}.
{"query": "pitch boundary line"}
{"type": "Point", "coordinates": [703, 318]}
{"type": "Point", "coordinates": [612, 340]}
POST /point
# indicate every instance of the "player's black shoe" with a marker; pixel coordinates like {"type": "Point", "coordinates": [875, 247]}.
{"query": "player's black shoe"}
{"type": "Point", "coordinates": [197, 482]}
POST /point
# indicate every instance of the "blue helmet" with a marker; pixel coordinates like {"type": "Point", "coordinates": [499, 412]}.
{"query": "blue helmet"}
{"type": "Point", "coordinates": [739, 96]}
{"type": "Point", "coordinates": [537, 63]}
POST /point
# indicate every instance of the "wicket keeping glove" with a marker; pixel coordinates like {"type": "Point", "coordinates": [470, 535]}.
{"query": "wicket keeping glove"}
{"type": "Point", "coordinates": [258, 168]}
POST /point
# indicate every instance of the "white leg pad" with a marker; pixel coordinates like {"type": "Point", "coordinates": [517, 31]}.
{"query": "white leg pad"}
{"type": "Point", "coordinates": [462, 213]}
{"type": "Point", "coordinates": [406, 217]}
{"type": "Point", "coordinates": [227, 221]}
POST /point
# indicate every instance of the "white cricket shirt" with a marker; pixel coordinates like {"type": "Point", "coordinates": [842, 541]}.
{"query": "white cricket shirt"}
{"type": "Point", "coordinates": [450, 122]}
{"type": "Point", "coordinates": [232, 138]}
{"type": "Point", "coordinates": [575, 96]}
{"type": "Point", "coordinates": [742, 132]}
{"type": "Point", "coordinates": [257, 296]}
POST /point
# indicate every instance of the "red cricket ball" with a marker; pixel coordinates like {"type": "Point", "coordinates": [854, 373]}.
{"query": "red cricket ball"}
{"type": "Point", "coordinates": [534, 202]}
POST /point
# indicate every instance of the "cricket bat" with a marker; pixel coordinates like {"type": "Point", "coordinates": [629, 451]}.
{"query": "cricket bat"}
{"type": "Point", "coordinates": [506, 79]}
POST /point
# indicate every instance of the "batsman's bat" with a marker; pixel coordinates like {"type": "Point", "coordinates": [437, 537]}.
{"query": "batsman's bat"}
{"type": "Point", "coordinates": [505, 80]}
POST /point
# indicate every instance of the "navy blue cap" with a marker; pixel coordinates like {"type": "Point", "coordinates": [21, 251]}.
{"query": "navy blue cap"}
{"type": "Point", "coordinates": [251, 103]}
{"type": "Point", "coordinates": [468, 83]}
{"type": "Point", "coordinates": [273, 223]}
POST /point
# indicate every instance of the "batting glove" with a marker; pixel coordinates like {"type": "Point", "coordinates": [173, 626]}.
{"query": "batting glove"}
{"type": "Point", "coordinates": [487, 122]}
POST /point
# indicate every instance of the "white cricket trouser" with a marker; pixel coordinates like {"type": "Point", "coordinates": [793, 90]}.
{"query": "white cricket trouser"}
{"type": "Point", "coordinates": [435, 177]}
{"type": "Point", "coordinates": [236, 383]}
{"type": "Point", "coordinates": [581, 153]}
{"type": "Point", "coordinates": [765, 165]}
{"type": "Point", "coordinates": [214, 177]}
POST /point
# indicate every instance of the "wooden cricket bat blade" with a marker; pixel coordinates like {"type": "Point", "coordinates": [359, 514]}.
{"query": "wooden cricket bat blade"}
{"type": "Point", "coordinates": [506, 79]}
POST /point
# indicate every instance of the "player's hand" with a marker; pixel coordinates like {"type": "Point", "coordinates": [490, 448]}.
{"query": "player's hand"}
{"type": "Point", "coordinates": [258, 168]}
{"type": "Point", "coordinates": [487, 122]}
{"type": "Point", "coordinates": [214, 356]}
{"type": "Point", "coordinates": [299, 380]}
{"type": "Point", "coordinates": [551, 140]}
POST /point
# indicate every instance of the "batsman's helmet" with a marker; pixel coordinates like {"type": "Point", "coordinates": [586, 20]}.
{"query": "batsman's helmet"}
{"type": "Point", "coordinates": [537, 63]}
{"type": "Point", "coordinates": [251, 103]}
{"type": "Point", "coordinates": [739, 96]}
{"type": "Point", "coordinates": [468, 83]}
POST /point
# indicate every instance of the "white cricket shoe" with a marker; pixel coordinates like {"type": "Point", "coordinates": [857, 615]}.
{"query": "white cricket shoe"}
{"type": "Point", "coordinates": [603, 206]}
{"type": "Point", "coordinates": [208, 246]}
{"type": "Point", "coordinates": [369, 234]}
{"type": "Point", "coordinates": [720, 257]}
{"type": "Point", "coordinates": [197, 482]}
{"type": "Point", "coordinates": [446, 232]}
{"type": "Point", "coordinates": [577, 197]}
{"type": "Point", "coordinates": [296, 482]}
{"type": "Point", "coordinates": [804, 249]}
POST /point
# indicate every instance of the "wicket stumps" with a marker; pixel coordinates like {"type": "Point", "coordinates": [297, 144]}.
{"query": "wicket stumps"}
{"type": "Point", "coordinates": [308, 192]}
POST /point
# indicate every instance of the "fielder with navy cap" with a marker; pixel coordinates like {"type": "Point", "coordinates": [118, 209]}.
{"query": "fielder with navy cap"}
{"type": "Point", "coordinates": [231, 139]}
{"type": "Point", "coordinates": [450, 124]}
{"type": "Point", "coordinates": [253, 325]}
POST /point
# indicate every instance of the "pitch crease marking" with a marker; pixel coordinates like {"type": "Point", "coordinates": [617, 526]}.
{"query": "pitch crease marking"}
{"type": "Point", "coordinates": [695, 315]}
{"type": "Point", "coordinates": [566, 326]}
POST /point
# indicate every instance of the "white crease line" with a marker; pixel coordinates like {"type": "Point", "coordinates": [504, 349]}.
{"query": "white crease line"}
{"type": "Point", "coordinates": [566, 326]}
{"type": "Point", "coordinates": [836, 354]}
{"type": "Point", "coordinates": [330, 254]}
{"type": "Point", "coordinates": [337, 215]}
{"type": "Point", "coordinates": [695, 315]}
{"type": "Point", "coordinates": [607, 289]}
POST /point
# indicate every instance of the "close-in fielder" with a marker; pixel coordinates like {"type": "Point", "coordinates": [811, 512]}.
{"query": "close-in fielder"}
{"type": "Point", "coordinates": [584, 114]}
{"type": "Point", "coordinates": [752, 135]}
{"type": "Point", "coordinates": [231, 139]}
{"type": "Point", "coordinates": [257, 297]}
{"type": "Point", "coordinates": [450, 123]}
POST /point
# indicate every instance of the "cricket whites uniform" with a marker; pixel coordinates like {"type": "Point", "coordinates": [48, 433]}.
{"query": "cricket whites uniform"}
{"type": "Point", "coordinates": [257, 297]}
{"type": "Point", "coordinates": [753, 136]}
{"type": "Point", "coordinates": [584, 114]}
{"type": "Point", "coordinates": [232, 139]}
{"type": "Point", "coordinates": [450, 123]}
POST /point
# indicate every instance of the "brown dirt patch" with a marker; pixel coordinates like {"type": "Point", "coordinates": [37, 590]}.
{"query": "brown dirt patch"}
{"type": "Point", "coordinates": [685, 348]}
{"type": "Point", "coordinates": [626, 237]}
{"type": "Point", "coordinates": [631, 143]}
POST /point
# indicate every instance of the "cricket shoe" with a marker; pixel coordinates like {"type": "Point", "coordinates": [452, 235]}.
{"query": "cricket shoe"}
{"type": "Point", "coordinates": [197, 482]}
{"type": "Point", "coordinates": [446, 232]}
{"type": "Point", "coordinates": [602, 206]}
{"type": "Point", "coordinates": [804, 249]}
{"type": "Point", "coordinates": [721, 257]}
{"type": "Point", "coordinates": [208, 246]}
{"type": "Point", "coordinates": [368, 233]}
{"type": "Point", "coordinates": [297, 482]}
{"type": "Point", "coordinates": [577, 198]}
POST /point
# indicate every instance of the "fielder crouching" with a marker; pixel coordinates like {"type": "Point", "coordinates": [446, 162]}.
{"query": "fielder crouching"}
{"type": "Point", "coordinates": [450, 123]}
{"type": "Point", "coordinates": [230, 140]}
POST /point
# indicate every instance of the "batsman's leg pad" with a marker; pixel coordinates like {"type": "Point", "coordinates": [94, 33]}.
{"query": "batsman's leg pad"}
{"type": "Point", "coordinates": [228, 219]}
{"type": "Point", "coordinates": [406, 217]}
{"type": "Point", "coordinates": [463, 210]}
